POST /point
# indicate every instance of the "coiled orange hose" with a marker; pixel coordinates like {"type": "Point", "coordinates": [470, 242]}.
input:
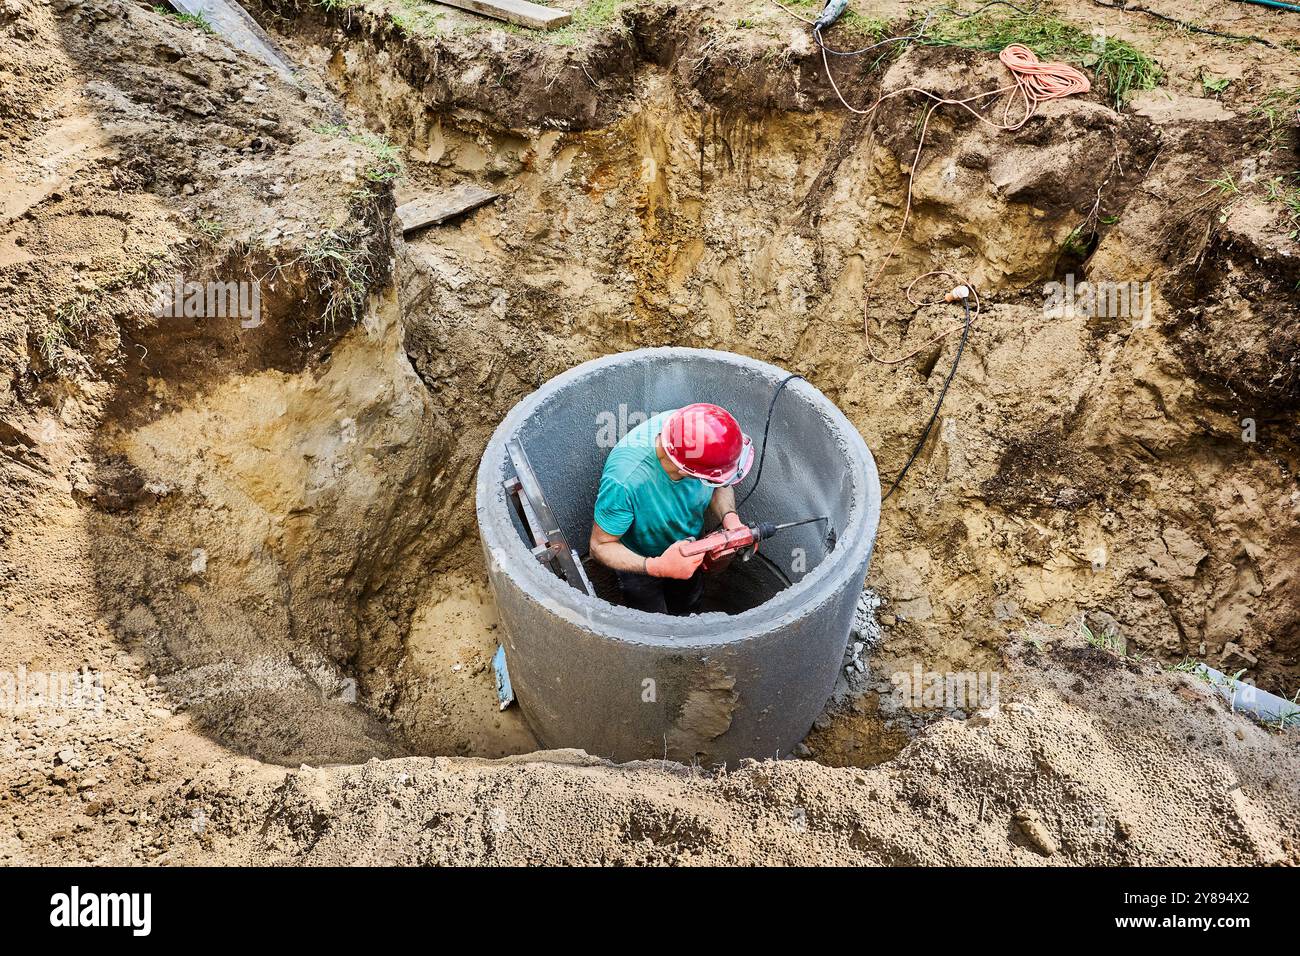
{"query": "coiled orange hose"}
{"type": "Point", "coordinates": [1038, 81]}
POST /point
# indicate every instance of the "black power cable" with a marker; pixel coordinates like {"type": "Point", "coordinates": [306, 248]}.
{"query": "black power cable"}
{"type": "Point", "coordinates": [758, 475]}
{"type": "Point", "coordinates": [829, 541]}
{"type": "Point", "coordinates": [777, 568]}
{"type": "Point", "coordinates": [961, 347]}
{"type": "Point", "coordinates": [920, 443]}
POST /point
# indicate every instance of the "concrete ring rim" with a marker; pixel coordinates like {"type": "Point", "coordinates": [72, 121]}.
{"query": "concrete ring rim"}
{"type": "Point", "coordinates": [712, 629]}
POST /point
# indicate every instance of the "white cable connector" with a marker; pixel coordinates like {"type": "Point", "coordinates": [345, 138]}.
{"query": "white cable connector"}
{"type": "Point", "coordinates": [958, 294]}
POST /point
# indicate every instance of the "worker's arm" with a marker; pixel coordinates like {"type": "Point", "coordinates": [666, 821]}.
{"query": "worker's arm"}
{"type": "Point", "coordinates": [614, 509]}
{"type": "Point", "coordinates": [722, 509]}
{"type": "Point", "coordinates": [613, 553]}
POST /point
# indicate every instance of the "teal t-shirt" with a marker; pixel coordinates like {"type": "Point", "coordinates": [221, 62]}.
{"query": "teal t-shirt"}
{"type": "Point", "coordinates": [638, 502]}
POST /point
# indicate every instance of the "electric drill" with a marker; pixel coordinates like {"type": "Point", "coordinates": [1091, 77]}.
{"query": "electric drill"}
{"type": "Point", "coordinates": [723, 542]}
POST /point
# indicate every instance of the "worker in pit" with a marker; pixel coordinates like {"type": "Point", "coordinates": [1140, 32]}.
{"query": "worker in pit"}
{"type": "Point", "coordinates": [659, 484]}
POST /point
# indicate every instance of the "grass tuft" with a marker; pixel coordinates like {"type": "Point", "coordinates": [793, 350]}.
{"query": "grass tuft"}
{"type": "Point", "coordinates": [190, 19]}
{"type": "Point", "coordinates": [873, 27]}
{"type": "Point", "coordinates": [592, 14]}
{"type": "Point", "coordinates": [211, 229]}
{"type": "Point", "coordinates": [1281, 109]}
{"type": "Point", "coordinates": [52, 342]}
{"type": "Point", "coordinates": [1292, 717]}
{"type": "Point", "coordinates": [344, 269]}
{"type": "Point", "coordinates": [1282, 191]}
{"type": "Point", "coordinates": [385, 167]}
{"type": "Point", "coordinates": [1286, 193]}
{"type": "Point", "coordinates": [1107, 641]}
{"type": "Point", "coordinates": [417, 19]}
{"type": "Point", "coordinates": [54, 339]}
{"type": "Point", "coordinates": [584, 21]}
{"type": "Point", "coordinates": [1214, 85]}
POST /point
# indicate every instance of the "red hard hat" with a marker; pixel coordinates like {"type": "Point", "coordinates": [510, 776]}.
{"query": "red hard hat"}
{"type": "Point", "coordinates": [705, 442]}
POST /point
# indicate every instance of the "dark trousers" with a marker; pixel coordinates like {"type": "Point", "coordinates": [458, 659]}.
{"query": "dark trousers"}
{"type": "Point", "coordinates": [661, 595]}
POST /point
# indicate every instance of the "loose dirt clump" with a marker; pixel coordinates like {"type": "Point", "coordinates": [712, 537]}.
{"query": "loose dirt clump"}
{"type": "Point", "coordinates": [261, 533]}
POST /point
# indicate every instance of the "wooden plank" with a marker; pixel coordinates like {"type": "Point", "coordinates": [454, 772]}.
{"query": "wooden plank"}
{"type": "Point", "coordinates": [515, 11]}
{"type": "Point", "coordinates": [437, 208]}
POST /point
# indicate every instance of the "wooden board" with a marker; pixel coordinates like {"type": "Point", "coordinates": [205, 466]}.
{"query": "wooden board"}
{"type": "Point", "coordinates": [515, 11]}
{"type": "Point", "coordinates": [439, 207]}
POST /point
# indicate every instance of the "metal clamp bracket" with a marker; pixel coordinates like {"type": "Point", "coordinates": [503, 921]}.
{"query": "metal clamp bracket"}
{"type": "Point", "coordinates": [549, 544]}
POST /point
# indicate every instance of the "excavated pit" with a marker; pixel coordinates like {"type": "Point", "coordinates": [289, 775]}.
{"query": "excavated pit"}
{"type": "Point", "coordinates": [317, 534]}
{"type": "Point", "coordinates": [265, 538]}
{"type": "Point", "coordinates": [711, 687]}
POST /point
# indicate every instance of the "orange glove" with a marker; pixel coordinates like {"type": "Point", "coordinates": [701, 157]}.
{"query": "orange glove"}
{"type": "Point", "coordinates": [673, 564]}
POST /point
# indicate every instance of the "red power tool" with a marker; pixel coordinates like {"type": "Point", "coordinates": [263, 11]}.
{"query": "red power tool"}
{"type": "Point", "coordinates": [723, 542]}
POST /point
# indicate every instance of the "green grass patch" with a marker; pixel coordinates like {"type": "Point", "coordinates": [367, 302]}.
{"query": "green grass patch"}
{"type": "Point", "coordinates": [1194, 668]}
{"type": "Point", "coordinates": [1281, 109]}
{"type": "Point", "coordinates": [591, 17]}
{"type": "Point", "coordinates": [1226, 185]}
{"type": "Point", "coordinates": [1214, 85]}
{"type": "Point", "coordinates": [416, 19]}
{"type": "Point", "coordinates": [1107, 641]}
{"type": "Point", "coordinates": [52, 342]}
{"type": "Point", "coordinates": [189, 19]}
{"type": "Point", "coordinates": [211, 229]}
{"type": "Point", "coordinates": [75, 314]}
{"type": "Point", "coordinates": [1123, 67]}
{"type": "Point", "coordinates": [1190, 665]}
{"type": "Point", "coordinates": [585, 21]}
{"type": "Point", "coordinates": [385, 167]}
{"type": "Point", "coordinates": [849, 20]}
{"type": "Point", "coordinates": [1285, 192]}
{"type": "Point", "coordinates": [148, 270]}
{"type": "Point", "coordinates": [54, 338]}
{"type": "Point", "coordinates": [344, 271]}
